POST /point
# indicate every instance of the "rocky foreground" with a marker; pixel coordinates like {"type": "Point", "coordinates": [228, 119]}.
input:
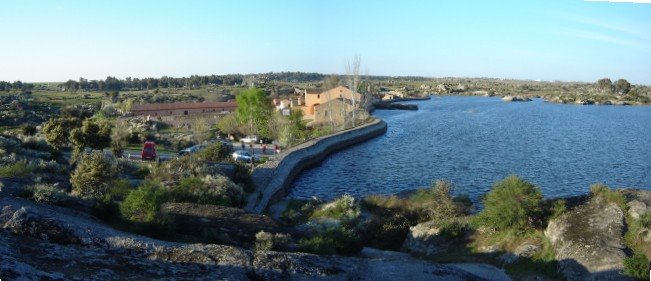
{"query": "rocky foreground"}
{"type": "Point", "coordinates": [43, 242]}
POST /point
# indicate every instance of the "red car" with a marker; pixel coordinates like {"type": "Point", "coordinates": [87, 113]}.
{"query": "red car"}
{"type": "Point", "coordinates": [148, 151]}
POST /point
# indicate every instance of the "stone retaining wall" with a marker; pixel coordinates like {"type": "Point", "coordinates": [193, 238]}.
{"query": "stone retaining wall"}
{"type": "Point", "coordinates": [273, 178]}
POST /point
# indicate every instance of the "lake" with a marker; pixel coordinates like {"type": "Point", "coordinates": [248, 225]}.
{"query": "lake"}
{"type": "Point", "coordinates": [475, 141]}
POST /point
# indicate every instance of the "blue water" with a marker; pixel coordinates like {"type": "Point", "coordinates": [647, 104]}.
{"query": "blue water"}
{"type": "Point", "coordinates": [475, 141]}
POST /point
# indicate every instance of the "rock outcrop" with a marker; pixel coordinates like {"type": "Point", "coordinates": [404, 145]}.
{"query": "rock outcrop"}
{"type": "Point", "coordinates": [515, 98]}
{"type": "Point", "coordinates": [425, 239]}
{"type": "Point", "coordinates": [230, 226]}
{"type": "Point", "coordinates": [43, 242]}
{"type": "Point", "coordinates": [588, 241]}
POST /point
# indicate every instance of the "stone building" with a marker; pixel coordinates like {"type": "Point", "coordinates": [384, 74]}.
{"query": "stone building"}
{"type": "Point", "coordinates": [183, 113]}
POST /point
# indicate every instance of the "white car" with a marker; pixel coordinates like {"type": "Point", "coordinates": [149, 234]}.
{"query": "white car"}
{"type": "Point", "coordinates": [242, 155]}
{"type": "Point", "coordinates": [249, 139]}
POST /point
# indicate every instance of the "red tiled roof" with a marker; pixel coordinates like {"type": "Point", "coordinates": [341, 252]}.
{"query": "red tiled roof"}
{"type": "Point", "coordinates": [182, 105]}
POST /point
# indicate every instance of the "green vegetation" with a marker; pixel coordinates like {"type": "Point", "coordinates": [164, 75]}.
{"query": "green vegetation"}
{"type": "Point", "coordinates": [603, 192]}
{"type": "Point", "coordinates": [254, 109]}
{"type": "Point", "coordinates": [334, 240]}
{"type": "Point", "coordinates": [513, 203]}
{"type": "Point", "coordinates": [344, 208]}
{"type": "Point", "coordinates": [94, 175]}
{"type": "Point", "coordinates": [18, 169]}
{"type": "Point", "coordinates": [265, 241]}
{"type": "Point", "coordinates": [214, 190]}
{"type": "Point", "coordinates": [142, 204]}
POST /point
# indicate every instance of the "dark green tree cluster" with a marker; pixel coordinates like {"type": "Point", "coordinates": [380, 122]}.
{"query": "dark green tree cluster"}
{"type": "Point", "coordinates": [16, 86]}
{"type": "Point", "coordinates": [113, 84]}
{"type": "Point", "coordinates": [620, 86]}
{"type": "Point", "coordinates": [254, 109]}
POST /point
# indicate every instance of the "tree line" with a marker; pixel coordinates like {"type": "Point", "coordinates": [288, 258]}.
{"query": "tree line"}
{"type": "Point", "coordinates": [16, 86]}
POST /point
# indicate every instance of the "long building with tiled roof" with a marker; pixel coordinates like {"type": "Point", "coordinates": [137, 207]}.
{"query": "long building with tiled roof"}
{"type": "Point", "coordinates": [183, 108]}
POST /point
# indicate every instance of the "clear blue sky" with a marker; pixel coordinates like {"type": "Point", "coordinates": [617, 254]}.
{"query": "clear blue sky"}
{"type": "Point", "coordinates": [568, 40]}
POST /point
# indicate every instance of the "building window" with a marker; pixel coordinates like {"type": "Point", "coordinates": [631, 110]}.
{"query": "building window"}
{"type": "Point", "coordinates": [170, 113]}
{"type": "Point", "coordinates": [185, 112]}
{"type": "Point", "coordinates": [318, 96]}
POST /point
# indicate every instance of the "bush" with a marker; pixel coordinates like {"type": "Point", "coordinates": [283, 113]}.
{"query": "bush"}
{"type": "Point", "coordinates": [645, 220]}
{"type": "Point", "coordinates": [142, 204]}
{"type": "Point", "coordinates": [18, 169]}
{"type": "Point", "coordinates": [603, 192]}
{"type": "Point", "coordinates": [637, 266]}
{"type": "Point", "coordinates": [47, 193]}
{"type": "Point", "coordinates": [179, 168]}
{"type": "Point", "coordinates": [513, 203]}
{"type": "Point", "coordinates": [332, 241]}
{"type": "Point", "coordinates": [214, 190]}
{"type": "Point", "coordinates": [557, 209]}
{"type": "Point", "coordinates": [265, 241]}
{"type": "Point", "coordinates": [94, 174]}
{"type": "Point", "coordinates": [28, 130]}
{"type": "Point", "coordinates": [344, 208]}
{"type": "Point", "coordinates": [437, 203]}
{"type": "Point", "coordinates": [386, 232]}
{"type": "Point", "coordinates": [214, 153]}
{"type": "Point", "coordinates": [119, 189]}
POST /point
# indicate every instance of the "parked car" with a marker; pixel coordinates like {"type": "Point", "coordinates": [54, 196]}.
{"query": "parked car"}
{"type": "Point", "coordinates": [227, 144]}
{"type": "Point", "coordinates": [249, 139]}
{"type": "Point", "coordinates": [242, 155]}
{"type": "Point", "coordinates": [191, 149]}
{"type": "Point", "coordinates": [148, 151]}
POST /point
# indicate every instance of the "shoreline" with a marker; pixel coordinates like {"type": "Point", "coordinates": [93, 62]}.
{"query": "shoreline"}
{"type": "Point", "coordinates": [274, 178]}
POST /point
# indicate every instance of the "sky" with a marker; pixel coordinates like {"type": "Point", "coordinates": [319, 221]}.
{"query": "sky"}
{"type": "Point", "coordinates": [567, 40]}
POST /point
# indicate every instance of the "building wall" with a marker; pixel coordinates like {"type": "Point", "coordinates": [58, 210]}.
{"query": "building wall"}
{"type": "Point", "coordinates": [338, 109]}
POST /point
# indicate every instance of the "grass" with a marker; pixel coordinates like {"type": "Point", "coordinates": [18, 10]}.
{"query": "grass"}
{"type": "Point", "coordinates": [18, 169]}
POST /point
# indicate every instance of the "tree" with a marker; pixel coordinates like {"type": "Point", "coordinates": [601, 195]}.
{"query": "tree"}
{"type": "Point", "coordinates": [120, 137]}
{"type": "Point", "coordinates": [352, 75]}
{"type": "Point", "coordinates": [330, 82]}
{"type": "Point", "coordinates": [96, 135]}
{"type": "Point", "coordinates": [57, 131]}
{"type": "Point", "coordinates": [622, 86]}
{"type": "Point", "coordinates": [93, 175]}
{"type": "Point", "coordinates": [200, 130]}
{"type": "Point", "coordinates": [293, 131]}
{"type": "Point", "coordinates": [605, 85]}
{"type": "Point", "coordinates": [228, 124]}
{"type": "Point", "coordinates": [254, 109]}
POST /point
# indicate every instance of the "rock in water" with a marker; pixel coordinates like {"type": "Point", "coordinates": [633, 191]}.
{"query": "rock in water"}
{"type": "Point", "coordinates": [589, 241]}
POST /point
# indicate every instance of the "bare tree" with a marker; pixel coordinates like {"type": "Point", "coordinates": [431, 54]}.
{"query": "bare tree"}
{"type": "Point", "coordinates": [352, 75]}
{"type": "Point", "coordinates": [331, 81]}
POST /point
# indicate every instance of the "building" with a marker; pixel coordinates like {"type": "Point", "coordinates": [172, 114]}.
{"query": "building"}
{"type": "Point", "coordinates": [180, 113]}
{"type": "Point", "coordinates": [183, 108]}
{"type": "Point", "coordinates": [334, 110]}
{"type": "Point", "coordinates": [313, 99]}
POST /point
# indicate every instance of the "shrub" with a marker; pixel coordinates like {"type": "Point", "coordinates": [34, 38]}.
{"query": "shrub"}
{"type": "Point", "coordinates": [47, 193]}
{"type": "Point", "coordinates": [119, 189]}
{"type": "Point", "coordinates": [344, 208]}
{"type": "Point", "coordinates": [214, 190]}
{"type": "Point", "coordinates": [214, 152]}
{"type": "Point", "coordinates": [332, 241]}
{"type": "Point", "coordinates": [637, 266]}
{"type": "Point", "coordinates": [513, 203]}
{"type": "Point", "coordinates": [265, 241]}
{"type": "Point", "coordinates": [142, 204]}
{"type": "Point", "coordinates": [297, 211]}
{"type": "Point", "coordinates": [386, 232]}
{"type": "Point", "coordinates": [603, 192]}
{"type": "Point", "coordinates": [28, 130]}
{"type": "Point", "coordinates": [453, 228]}
{"type": "Point", "coordinates": [437, 203]}
{"type": "Point", "coordinates": [18, 169]}
{"type": "Point", "coordinates": [645, 220]}
{"type": "Point", "coordinates": [179, 168]}
{"type": "Point", "coordinates": [94, 174]}
{"type": "Point", "coordinates": [557, 209]}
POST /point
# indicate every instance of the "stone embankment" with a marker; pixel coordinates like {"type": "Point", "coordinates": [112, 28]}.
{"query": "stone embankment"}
{"type": "Point", "coordinates": [274, 177]}
{"type": "Point", "coordinates": [43, 242]}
